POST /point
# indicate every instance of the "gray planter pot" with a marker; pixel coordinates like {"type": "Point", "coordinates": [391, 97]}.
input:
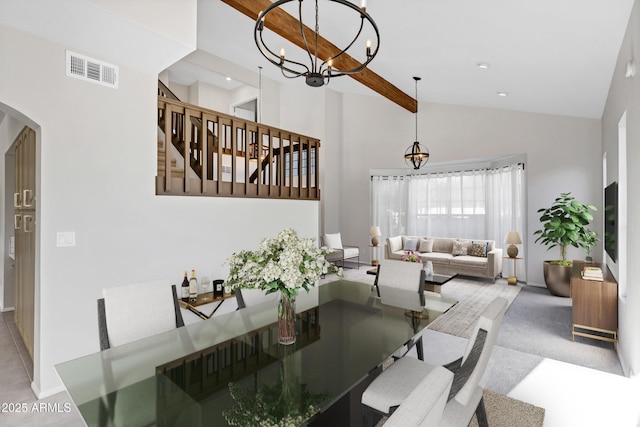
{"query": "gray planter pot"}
{"type": "Point", "coordinates": [558, 279]}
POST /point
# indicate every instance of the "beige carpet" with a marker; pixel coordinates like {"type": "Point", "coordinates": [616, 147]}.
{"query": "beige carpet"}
{"type": "Point", "coordinates": [473, 296]}
{"type": "Point", "coordinates": [503, 411]}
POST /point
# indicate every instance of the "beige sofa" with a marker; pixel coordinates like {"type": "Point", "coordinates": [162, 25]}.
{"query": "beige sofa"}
{"type": "Point", "coordinates": [477, 258]}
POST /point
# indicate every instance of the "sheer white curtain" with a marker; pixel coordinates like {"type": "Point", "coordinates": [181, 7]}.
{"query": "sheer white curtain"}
{"type": "Point", "coordinates": [389, 204]}
{"type": "Point", "coordinates": [449, 204]}
{"type": "Point", "coordinates": [506, 210]}
{"type": "Point", "coordinates": [474, 204]}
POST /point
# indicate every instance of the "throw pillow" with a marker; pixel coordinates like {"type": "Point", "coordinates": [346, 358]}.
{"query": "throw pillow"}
{"type": "Point", "coordinates": [426, 245]}
{"type": "Point", "coordinates": [410, 244]}
{"type": "Point", "coordinates": [395, 243]}
{"type": "Point", "coordinates": [479, 249]}
{"type": "Point", "coordinates": [459, 248]}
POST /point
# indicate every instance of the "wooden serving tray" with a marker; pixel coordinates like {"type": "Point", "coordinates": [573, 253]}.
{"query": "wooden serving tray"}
{"type": "Point", "coordinates": [207, 298]}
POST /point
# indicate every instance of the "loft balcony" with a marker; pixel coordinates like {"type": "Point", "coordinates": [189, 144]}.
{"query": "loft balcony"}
{"type": "Point", "coordinates": [218, 155]}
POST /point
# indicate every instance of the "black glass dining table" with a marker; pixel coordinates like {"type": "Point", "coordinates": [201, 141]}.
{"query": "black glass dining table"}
{"type": "Point", "coordinates": [230, 369]}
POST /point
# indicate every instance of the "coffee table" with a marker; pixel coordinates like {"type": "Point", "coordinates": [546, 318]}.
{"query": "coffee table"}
{"type": "Point", "coordinates": [432, 282]}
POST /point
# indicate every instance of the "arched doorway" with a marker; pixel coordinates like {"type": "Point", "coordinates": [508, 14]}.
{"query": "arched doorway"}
{"type": "Point", "coordinates": [19, 138]}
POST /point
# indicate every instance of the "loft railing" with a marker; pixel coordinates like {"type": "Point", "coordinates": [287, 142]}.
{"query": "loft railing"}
{"type": "Point", "coordinates": [215, 154]}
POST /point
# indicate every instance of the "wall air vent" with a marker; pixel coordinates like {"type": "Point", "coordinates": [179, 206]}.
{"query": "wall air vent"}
{"type": "Point", "coordinates": [92, 70]}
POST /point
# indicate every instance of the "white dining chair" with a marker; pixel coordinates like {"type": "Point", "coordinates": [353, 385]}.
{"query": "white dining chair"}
{"type": "Point", "coordinates": [393, 386]}
{"type": "Point", "coordinates": [132, 312]}
{"type": "Point", "coordinates": [424, 406]}
{"type": "Point", "coordinates": [126, 314]}
{"type": "Point", "coordinates": [251, 297]}
{"type": "Point", "coordinates": [401, 284]}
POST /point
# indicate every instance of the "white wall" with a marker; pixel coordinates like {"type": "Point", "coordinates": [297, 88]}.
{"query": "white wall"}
{"type": "Point", "coordinates": [624, 95]}
{"type": "Point", "coordinates": [209, 96]}
{"type": "Point", "coordinates": [173, 12]}
{"type": "Point", "coordinates": [563, 155]}
{"type": "Point", "coordinates": [98, 162]}
{"type": "Point", "coordinates": [97, 166]}
{"type": "Point", "coordinates": [332, 165]}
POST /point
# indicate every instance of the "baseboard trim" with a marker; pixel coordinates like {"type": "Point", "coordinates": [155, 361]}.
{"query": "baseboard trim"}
{"type": "Point", "coordinates": [6, 309]}
{"type": "Point", "coordinates": [41, 394]}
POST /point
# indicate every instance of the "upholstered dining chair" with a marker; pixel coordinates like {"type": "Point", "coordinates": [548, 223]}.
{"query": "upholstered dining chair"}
{"type": "Point", "coordinates": [401, 284]}
{"type": "Point", "coordinates": [251, 297]}
{"type": "Point", "coordinates": [391, 389]}
{"type": "Point", "coordinates": [121, 318]}
{"type": "Point", "coordinates": [424, 406]}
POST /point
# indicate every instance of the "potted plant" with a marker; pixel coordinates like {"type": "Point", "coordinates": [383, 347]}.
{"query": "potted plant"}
{"type": "Point", "coordinates": [285, 264]}
{"type": "Point", "coordinates": [564, 223]}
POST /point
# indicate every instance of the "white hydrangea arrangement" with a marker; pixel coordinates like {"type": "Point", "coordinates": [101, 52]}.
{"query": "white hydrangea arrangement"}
{"type": "Point", "coordinates": [285, 263]}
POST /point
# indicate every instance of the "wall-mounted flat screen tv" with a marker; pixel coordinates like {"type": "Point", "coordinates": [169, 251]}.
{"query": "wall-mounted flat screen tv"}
{"type": "Point", "coordinates": [611, 220]}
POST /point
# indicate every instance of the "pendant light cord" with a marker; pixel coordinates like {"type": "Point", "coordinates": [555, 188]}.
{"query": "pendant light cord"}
{"type": "Point", "coordinates": [416, 79]}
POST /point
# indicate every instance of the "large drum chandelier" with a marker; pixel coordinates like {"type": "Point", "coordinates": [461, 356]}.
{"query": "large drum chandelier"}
{"type": "Point", "coordinates": [327, 63]}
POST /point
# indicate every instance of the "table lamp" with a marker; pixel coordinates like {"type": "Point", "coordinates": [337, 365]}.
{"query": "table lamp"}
{"type": "Point", "coordinates": [513, 238]}
{"type": "Point", "coordinates": [374, 232]}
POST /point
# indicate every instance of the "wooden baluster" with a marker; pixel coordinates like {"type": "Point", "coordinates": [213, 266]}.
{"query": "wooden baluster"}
{"type": "Point", "coordinates": [186, 153]}
{"type": "Point", "coordinates": [206, 149]}
{"type": "Point", "coordinates": [168, 126]}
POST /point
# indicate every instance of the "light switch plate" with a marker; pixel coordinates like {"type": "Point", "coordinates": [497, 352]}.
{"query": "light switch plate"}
{"type": "Point", "coordinates": [65, 239]}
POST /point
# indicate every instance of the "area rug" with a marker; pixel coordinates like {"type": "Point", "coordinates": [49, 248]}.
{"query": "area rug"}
{"type": "Point", "coordinates": [472, 296]}
{"type": "Point", "coordinates": [504, 411]}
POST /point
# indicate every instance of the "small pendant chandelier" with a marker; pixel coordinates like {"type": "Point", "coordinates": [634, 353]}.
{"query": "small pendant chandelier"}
{"type": "Point", "coordinates": [318, 71]}
{"type": "Point", "coordinates": [417, 155]}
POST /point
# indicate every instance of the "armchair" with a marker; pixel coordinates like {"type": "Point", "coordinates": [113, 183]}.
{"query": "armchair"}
{"type": "Point", "coordinates": [339, 252]}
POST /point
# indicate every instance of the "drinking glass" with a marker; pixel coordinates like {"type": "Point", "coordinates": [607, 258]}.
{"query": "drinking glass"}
{"type": "Point", "coordinates": [205, 283]}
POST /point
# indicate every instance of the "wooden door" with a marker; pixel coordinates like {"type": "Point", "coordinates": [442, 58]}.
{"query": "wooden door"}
{"type": "Point", "coordinates": [25, 232]}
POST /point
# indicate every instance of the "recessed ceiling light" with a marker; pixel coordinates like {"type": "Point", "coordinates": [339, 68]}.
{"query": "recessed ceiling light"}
{"type": "Point", "coordinates": [483, 65]}
{"type": "Point", "coordinates": [502, 94]}
{"type": "Point", "coordinates": [228, 79]}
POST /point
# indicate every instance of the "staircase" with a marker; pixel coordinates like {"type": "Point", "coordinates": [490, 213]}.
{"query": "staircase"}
{"type": "Point", "coordinates": [175, 171]}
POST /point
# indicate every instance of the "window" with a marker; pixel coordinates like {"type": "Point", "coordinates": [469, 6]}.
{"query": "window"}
{"type": "Point", "coordinates": [482, 203]}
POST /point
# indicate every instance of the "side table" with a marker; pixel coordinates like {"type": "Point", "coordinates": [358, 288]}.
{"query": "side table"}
{"type": "Point", "coordinates": [513, 280]}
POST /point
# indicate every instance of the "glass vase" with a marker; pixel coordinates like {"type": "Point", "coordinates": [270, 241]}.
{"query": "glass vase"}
{"type": "Point", "coordinates": [428, 269]}
{"type": "Point", "coordinates": [287, 320]}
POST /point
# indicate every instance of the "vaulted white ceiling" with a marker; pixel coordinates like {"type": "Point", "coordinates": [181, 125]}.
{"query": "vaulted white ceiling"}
{"type": "Point", "coordinates": [549, 56]}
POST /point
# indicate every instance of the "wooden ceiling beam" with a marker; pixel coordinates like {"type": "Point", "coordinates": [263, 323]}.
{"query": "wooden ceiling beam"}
{"type": "Point", "coordinates": [287, 26]}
